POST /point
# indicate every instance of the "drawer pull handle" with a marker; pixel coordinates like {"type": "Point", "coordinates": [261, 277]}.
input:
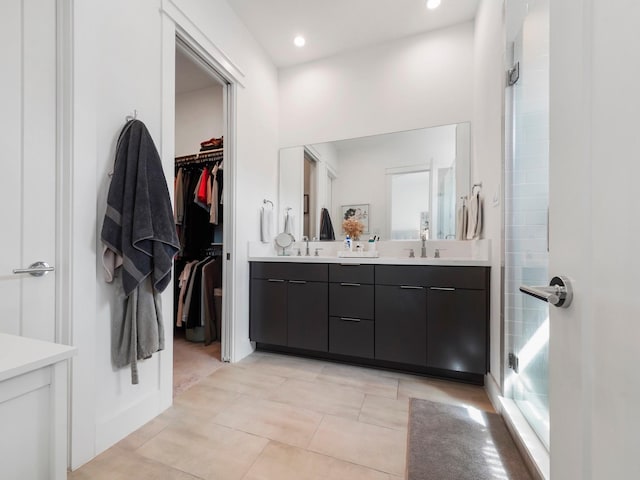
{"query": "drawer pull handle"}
{"type": "Point", "coordinates": [411, 287]}
{"type": "Point", "coordinates": [275, 280]}
{"type": "Point", "coordinates": [349, 264]}
{"type": "Point", "coordinates": [297, 281]}
{"type": "Point", "coordinates": [350, 284]}
{"type": "Point", "coordinates": [349, 319]}
{"type": "Point", "coordinates": [444, 289]}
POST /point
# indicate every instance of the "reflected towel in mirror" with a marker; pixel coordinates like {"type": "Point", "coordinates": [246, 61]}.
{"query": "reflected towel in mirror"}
{"type": "Point", "coordinates": [288, 222]}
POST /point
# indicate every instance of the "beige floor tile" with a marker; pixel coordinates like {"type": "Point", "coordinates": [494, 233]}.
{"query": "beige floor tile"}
{"type": "Point", "coordinates": [144, 433]}
{"type": "Point", "coordinates": [206, 450]}
{"type": "Point", "coordinates": [283, 365]}
{"type": "Point", "coordinates": [284, 462]}
{"type": "Point", "coordinates": [324, 397]}
{"type": "Point", "coordinates": [444, 391]}
{"type": "Point", "coordinates": [386, 412]}
{"type": "Point", "coordinates": [367, 380]}
{"type": "Point", "coordinates": [277, 421]}
{"type": "Point", "coordinates": [192, 361]}
{"type": "Point", "coordinates": [120, 464]}
{"type": "Point", "coordinates": [203, 400]}
{"type": "Point", "coordinates": [372, 446]}
{"type": "Point", "coordinates": [243, 380]}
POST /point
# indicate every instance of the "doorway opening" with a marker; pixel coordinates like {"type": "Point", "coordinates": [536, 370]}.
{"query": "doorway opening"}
{"type": "Point", "coordinates": [201, 206]}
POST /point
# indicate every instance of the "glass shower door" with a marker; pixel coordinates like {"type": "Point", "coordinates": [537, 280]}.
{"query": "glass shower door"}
{"type": "Point", "coordinates": [526, 215]}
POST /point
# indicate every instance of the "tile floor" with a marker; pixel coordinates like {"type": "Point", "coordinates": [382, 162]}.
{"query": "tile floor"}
{"type": "Point", "coordinates": [280, 417]}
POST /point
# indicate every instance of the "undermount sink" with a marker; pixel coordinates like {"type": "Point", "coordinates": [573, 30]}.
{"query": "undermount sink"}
{"type": "Point", "coordinates": [356, 254]}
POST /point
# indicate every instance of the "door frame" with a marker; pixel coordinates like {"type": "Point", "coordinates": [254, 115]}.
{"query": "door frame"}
{"type": "Point", "coordinates": [178, 29]}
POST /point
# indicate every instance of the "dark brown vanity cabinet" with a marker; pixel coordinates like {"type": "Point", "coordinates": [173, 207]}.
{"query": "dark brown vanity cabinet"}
{"type": "Point", "coordinates": [423, 318]}
{"type": "Point", "coordinates": [457, 329]}
{"type": "Point", "coordinates": [351, 310]}
{"type": "Point", "coordinates": [289, 305]}
{"type": "Point", "coordinates": [433, 316]}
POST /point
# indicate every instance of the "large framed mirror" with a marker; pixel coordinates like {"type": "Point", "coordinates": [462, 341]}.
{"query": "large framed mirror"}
{"type": "Point", "coordinates": [407, 184]}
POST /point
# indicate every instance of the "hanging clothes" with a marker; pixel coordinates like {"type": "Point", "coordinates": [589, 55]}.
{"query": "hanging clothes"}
{"type": "Point", "coordinates": [200, 191]}
{"type": "Point", "coordinates": [197, 300]}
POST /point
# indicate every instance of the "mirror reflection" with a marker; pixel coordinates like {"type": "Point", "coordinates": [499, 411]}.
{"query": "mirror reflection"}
{"type": "Point", "coordinates": [401, 186]}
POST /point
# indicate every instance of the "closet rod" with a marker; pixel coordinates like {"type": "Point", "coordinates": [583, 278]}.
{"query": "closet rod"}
{"type": "Point", "coordinates": [200, 157]}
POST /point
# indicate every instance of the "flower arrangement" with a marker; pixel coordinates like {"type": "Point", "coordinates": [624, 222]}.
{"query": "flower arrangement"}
{"type": "Point", "coordinates": [353, 227]}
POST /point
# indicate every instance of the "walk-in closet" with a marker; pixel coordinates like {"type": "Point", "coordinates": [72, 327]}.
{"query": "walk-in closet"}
{"type": "Point", "coordinates": [198, 211]}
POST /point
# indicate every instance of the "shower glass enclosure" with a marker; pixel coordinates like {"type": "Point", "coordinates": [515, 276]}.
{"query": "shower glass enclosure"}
{"type": "Point", "coordinates": [526, 220]}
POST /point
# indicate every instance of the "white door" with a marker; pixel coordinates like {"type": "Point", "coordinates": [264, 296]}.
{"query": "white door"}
{"type": "Point", "coordinates": [595, 239]}
{"type": "Point", "coordinates": [28, 177]}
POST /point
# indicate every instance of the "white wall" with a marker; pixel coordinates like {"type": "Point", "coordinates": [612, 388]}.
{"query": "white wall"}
{"type": "Point", "coordinates": [117, 55]}
{"type": "Point", "coordinates": [487, 133]}
{"type": "Point", "coordinates": [199, 117]}
{"type": "Point", "coordinates": [419, 81]}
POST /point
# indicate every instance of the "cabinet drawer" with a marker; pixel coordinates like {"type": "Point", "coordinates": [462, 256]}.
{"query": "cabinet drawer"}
{"type": "Point", "coordinates": [351, 300]}
{"type": "Point", "coordinates": [313, 272]}
{"type": "Point", "coordinates": [433, 276]}
{"type": "Point", "coordinates": [351, 337]}
{"type": "Point", "coordinates": [351, 273]}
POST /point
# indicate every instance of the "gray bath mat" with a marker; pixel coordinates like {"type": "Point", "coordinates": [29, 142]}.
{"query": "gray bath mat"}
{"type": "Point", "coordinates": [459, 443]}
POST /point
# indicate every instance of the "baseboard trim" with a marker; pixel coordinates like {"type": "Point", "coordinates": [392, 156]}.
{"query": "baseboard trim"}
{"type": "Point", "coordinates": [532, 449]}
{"type": "Point", "coordinates": [111, 430]}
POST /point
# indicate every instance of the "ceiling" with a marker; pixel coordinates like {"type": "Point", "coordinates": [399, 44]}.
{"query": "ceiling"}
{"type": "Point", "coordinates": [334, 26]}
{"type": "Point", "coordinates": [190, 75]}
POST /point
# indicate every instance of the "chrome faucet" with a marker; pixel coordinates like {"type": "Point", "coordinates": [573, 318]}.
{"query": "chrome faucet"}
{"type": "Point", "coordinates": [423, 248]}
{"type": "Point", "coordinates": [306, 251]}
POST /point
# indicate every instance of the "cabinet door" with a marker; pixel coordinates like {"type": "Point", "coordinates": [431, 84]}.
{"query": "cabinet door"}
{"type": "Point", "coordinates": [351, 336]}
{"type": "Point", "coordinates": [308, 317]}
{"type": "Point", "coordinates": [268, 311]}
{"type": "Point", "coordinates": [401, 324]}
{"type": "Point", "coordinates": [457, 330]}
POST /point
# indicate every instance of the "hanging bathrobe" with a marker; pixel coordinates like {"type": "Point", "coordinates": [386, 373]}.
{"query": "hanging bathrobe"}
{"type": "Point", "coordinates": [140, 241]}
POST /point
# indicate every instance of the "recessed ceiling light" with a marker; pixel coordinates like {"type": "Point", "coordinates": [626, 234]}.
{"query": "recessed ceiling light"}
{"type": "Point", "coordinates": [432, 4]}
{"type": "Point", "coordinates": [299, 41]}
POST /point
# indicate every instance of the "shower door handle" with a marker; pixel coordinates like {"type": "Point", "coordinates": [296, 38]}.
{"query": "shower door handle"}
{"type": "Point", "coordinates": [559, 292]}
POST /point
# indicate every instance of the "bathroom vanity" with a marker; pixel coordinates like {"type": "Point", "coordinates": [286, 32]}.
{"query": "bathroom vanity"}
{"type": "Point", "coordinates": [33, 408]}
{"type": "Point", "coordinates": [427, 316]}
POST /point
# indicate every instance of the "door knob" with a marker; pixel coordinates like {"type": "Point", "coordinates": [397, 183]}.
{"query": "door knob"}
{"type": "Point", "coordinates": [37, 269]}
{"type": "Point", "coordinates": [559, 292]}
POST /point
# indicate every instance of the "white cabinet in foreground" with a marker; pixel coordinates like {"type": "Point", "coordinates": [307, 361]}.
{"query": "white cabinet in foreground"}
{"type": "Point", "coordinates": [33, 409]}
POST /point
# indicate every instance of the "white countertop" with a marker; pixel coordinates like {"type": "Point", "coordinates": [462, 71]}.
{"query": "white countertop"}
{"type": "Point", "coordinates": [20, 355]}
{"type": "Point", "coordinates": [462, 262]}
{"type": "Point", "coordinates": [464, 253]}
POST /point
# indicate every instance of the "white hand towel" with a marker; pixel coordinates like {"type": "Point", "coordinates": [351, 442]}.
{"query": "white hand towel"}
{"type": "Point", "coordinates": [473, 223]}
{"type": "Point", "coordinates": [266, 219]}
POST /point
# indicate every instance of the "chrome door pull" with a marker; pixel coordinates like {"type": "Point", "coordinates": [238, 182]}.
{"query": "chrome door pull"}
{"type": "Point", "coordinates": [37, 269]}
{"type": "Point", "coordinates": [559, 292]}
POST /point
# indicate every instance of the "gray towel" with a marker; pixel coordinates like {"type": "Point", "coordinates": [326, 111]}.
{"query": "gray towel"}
{"type": "Point", "coordinates": [138, 229]}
